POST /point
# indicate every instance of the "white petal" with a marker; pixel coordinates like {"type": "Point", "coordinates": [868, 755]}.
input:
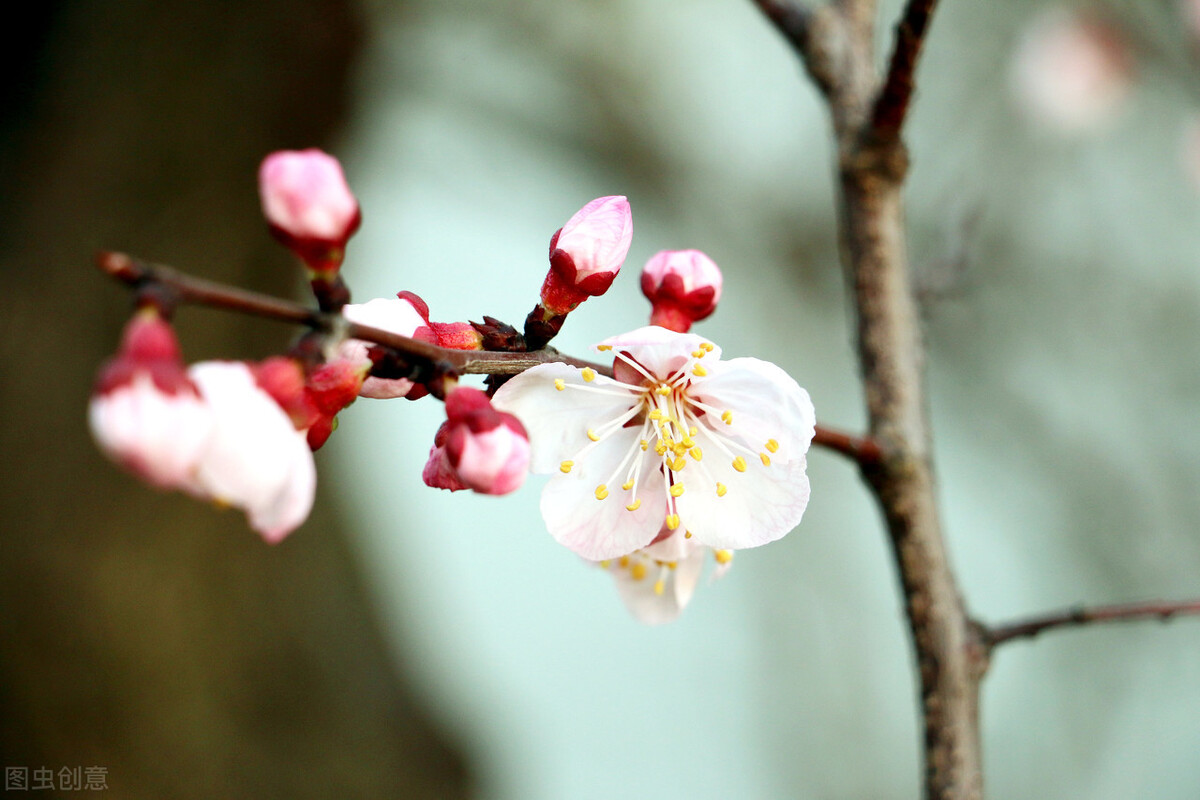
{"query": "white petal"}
{"type": "Point", "coordinates": [760, 505]}
{"type": "Point", "coordinates": [600, 529]}
{"type": "Point", "coordinates": [291, 506]}
{"type": "Point", "coordinates": [659, 350]}
{"type": "Point", "coordinates": [765, 402]}
{"type": "Point", "coordinates": [558, 421]}
{"type": "Point", "coordinates": [159, 436]}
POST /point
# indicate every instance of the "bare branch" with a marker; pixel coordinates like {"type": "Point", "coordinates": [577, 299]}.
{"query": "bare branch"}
{"type": "Point", "coordinates": [1084, 615]}
{"type": "Point", "coordinates": [891, 105]}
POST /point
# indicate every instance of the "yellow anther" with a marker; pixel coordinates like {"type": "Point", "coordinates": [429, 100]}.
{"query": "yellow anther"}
{"type": "Point", "coordinates": [604, 347]}
{"type": "Point", "coordinates": [660, 586]}
{"type": "Point", "coordinates": [671, 565]}
{"type": "Point", "coordinates": [565, 466]}
{"type": "Point", "coordinates": [723, 556]}
{"type": "Point", "coordinates": [739, 464]}
{"type": "Point", "coordinates": [672, 521]}
{"type": "Point", "coordinates": [688, 443]}
{"type": "Point", "coordinates": [601, 492]}
{"type": "Point", "coordinates": [588, 374]}
{"type": "Point", "coordinates": [727, 417]}
{"type": "Point", "coordinates": [560, 384]}
{"type": "Point", "coordinates": [692, 431]}
{"type": "Point", "coordinates": [644, 445]}
{"type": "Point", "coordinates": [593, 435]}
{"type": "Point", "coordinates": [638, 571]}
{"type": "Point", "coordinates": [697, 354]}
{"type": "Point", "coordinates": [660, 448]}
{"type": "Point", "coordinates": [635, 505]}
{"type": "Point", "coordinates": [678, 464]}
{"type": "Point", "coordinates": [679, 448]}
{"type": "Point", "coordinates": [687, 534]}
{"type": "Point", "coordinates": [699, 371]}
{"type": "Point", "coordinates": [721, 489]}
{"type": "Point", "coordinates": [657, 415]}
{"type": "Point", "coordinates": [676, 490]}
{"type": "Point", "coordinates": [706, 347]}
{"type": "Point", "coordinates": [766, 459]}
{"type": "Point", "coordinates": [773, 445]}
{"type": "Point", "coordinates": [605, 564]}
{"type": "Point", "coordinates": [623, 562]}
{"type": "Point", "coordinates": [663, 390]}
{"type": "Point", "coordinates": [696, 453]}
{"type": "Point", "coordinates": [627, 485]}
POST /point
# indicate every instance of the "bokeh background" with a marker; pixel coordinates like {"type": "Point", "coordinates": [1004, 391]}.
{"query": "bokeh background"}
{"type": "Point", "coordinates": [409, 643]}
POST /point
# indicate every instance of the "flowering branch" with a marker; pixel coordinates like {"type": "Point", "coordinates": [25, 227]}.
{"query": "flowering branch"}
{"type": "Point", "coordinates": [1083, 615]}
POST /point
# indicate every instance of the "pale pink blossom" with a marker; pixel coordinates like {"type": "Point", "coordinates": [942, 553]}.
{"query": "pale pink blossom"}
{"type": "Point", "coordinates": [587, 253]}
{"type": "Point", "coordinates": [256, 459]}
{"type": "Point", "coordinates": [478, 447]}
{"type": "Point", "coordinates": [683, 286]}
{"type": "Point", "coordinates": [657, 582]}
{"type": "Point", "coordinates": [679, 437]}
{"type": "Point", "coordinates": [308, 204]}
{"type": "Point", "coordinates": [404, 314]}
{"type": "Point", "coordinates": [145, 413]}
{"type": "Point", "coordinates": [1071, 73]}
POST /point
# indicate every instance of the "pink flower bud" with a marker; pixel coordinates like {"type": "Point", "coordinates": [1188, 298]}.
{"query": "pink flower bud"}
{"type": "Point", "coordinates": [308, 205]}
{"type": "Point", "coordinates": [1071, 73]}
{"type": "Point", "coordinates": [683, 286]}
{"type": "Point", "coordinates": [587, 253]}
{"type": "Point", "coordinates": [145, 413]}
{"type": "Point", "coordinates": [405, 314]}
{"type": "Point", "coordinates": [480, 448]}
{"type": "Point", "coordinates": [255, 460]}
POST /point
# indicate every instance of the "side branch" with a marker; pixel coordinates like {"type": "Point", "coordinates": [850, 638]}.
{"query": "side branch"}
{"type": "Point", "coordinates": [891, 105]}
{"type": "Point", "coordinates": [1082, 615]}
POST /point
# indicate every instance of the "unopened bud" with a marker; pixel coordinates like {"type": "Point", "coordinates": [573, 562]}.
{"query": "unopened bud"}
{"type": "Point", "coordinates": [309, 206]}
{"type": "Point", "coordinates": [683, 286]}
{"type": "Point", "coordinates": [480, 448]}
{"type": "Point", "coordinates": [587, 253]}
{"type": "Point", "coordinates": [405, 314]}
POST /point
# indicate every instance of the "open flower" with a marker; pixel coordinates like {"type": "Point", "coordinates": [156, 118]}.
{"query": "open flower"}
{"type": "Point", "coordinates": [679, 438]}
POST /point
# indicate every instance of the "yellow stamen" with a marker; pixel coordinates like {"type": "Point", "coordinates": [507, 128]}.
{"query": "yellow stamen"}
{"type": "Point", "coordinates": [588, 374]}
{"type": "Point", "coordinates": [727, 417]}
{"type": "Point", "coordinates": [679, 464]}
{"type": "Point", "coordinates": [672, 521]}
{"type": "Point", "coordinates": [601, 492]}
{"type": "Point", "coordinates": [692, 431]}
{"type": "Point", "coordinates": [657, 415]}
{"type": "Point", "coordinates": [699, 371]}
{"type": "Point", "coordinates": [560, 384]}
{"type": "Point", "coordinates": [660, 586]}
{"type": "Point", "coordinates": [696, 453]}
{"type": "Point", "coordinates": [627, 485]}
{"type": "Point", "coordinates": [721, 489]}
{"type": "Point", "coordinates": [688, 443]}
{"type": "Point", "coordinates": [623, 562]}
{"type": "Point", "coordinates": [593, 435]}
{"type": "Point", "coordinates": [671, 565]}
{"type": "Point", "coordinates": [663, 390]}
{"type": "Point", "coordinates": [635, 505]}
{"type": "Point", "coordinates": [772, 445]}
{"type": "Point", "coordinates": [739, 464]}
{"type": "Point", "coordinates": [676, 490]}
{"type": "Point", "coordinates": [603, 347]}
{"type": "Point", "coordinates": [687, 534]}
{"type": "Point", "coordinates": [706, 347]}
{"type": "Point", "coordinates": [697, 354]}
{"type": "Point", "coordinates": [644, 445]}
{"type": "Point", "coordinates": [565, 466]}
{"type": "Point", "coordinates": [638, 571]}
{"type": "Point", "coordinates": [766, 459]}
{"type": "Point", "coordinates": [723, 556]}
{"type": "Point", "coordinates": [660, 448]}
{"type": "Point", "coordinates": [605, 564]}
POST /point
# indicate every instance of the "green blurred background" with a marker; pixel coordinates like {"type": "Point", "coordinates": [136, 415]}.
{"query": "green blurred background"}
{"type": "Point", "coordinates": [409, 643]}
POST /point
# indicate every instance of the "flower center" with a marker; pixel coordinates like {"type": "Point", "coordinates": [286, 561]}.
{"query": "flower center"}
{"type": "Point", "coordinates": [670, 419]}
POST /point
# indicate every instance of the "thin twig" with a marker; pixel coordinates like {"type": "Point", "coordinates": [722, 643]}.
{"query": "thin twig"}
{"type": "Point", "coordinates": [891, 105]}
{"type": "Point", "coordinates": [862, 449]}
{"type": "Point", "coordinates": [1084, 615]}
